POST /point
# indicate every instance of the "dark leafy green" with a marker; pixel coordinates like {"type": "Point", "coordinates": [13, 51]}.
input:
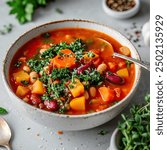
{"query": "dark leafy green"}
{"type": "Point", "coordinates": [61, 73]}
{"type": "Point", "coordinates": [25, 82]}
{"type": "Point", "coordinates": [18, 64]}
{"type": "Point", "coordinates": [3, 111]}
{"type": "Point", "coordinates": [136, 128]}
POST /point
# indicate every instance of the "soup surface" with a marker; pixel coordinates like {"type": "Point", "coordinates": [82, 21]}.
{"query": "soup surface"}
{"type": "Point", "coordinates": [71, 71]}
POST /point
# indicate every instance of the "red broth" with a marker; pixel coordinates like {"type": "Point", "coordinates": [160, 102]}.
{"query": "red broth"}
{"type": "Point", "coordinates": [68, 71]}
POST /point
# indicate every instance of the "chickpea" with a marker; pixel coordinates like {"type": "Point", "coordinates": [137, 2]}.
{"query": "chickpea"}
{"type": "Point", "coordinates": [86, 94]}
{"type": "Point", "coordinates": [33, 76]}
{"type": "Point", "coordinates": [22, 59]}
{"type": "Point", "coordinates": [92, 91]}
{"type": "Point", "coordinates": [26, 69]}
{"type": "Point", "coordinates": [101, 68]}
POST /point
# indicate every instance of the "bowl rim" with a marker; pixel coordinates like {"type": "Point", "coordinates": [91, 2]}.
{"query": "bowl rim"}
{"type": "Point", "coordinates": [112, 12]}
{"type": "Point", "coordinates": [67, 115]}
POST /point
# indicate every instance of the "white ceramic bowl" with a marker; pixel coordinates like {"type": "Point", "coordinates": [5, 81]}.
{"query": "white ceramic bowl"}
{"type": "Point", "coordinates": [61, 121]}
{"type": "Point", "coordinates": [121, 15]}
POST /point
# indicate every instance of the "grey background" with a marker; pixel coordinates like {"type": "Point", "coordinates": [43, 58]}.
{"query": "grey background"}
{"type": "Point", "coordinates": [26, 134]}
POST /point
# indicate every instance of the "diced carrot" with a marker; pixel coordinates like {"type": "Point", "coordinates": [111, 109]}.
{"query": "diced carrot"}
{"type": "Point", "coordinates": [118, 92]}
{"type": "Point", "coordinates": [21, 76]}
{"type": "Point", "coordinates": [107, 94]}
{"type": "Point", "coordinates": [122, 64]}
{"type": "Point", "coordinates": [37, 88]}
{"type": "Point", "coordinates": [125, 50]}
{"type": "Point", "coordinates": [123, 72]}
{"type": "Point", "coordinates": [65, 59]}
{"type": "Point", "coordinates": [112, 66]}
{"type": "Point", "coordinates": [97, 62]}
{"type": "Point", "coordinates": [22, 91]}
{"type": "Point", "coordinates": [76, 88]}
{"type": "Point", "coordinates": [78, 104]}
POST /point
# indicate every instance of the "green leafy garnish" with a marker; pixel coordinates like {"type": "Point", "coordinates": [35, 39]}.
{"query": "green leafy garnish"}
{"type": "Point", "coordinates": [46, 35]}
{"type": "Point", "coordinates": [136, 128]}
{"type": "Point", "coordinates": [103, 132]}
{"type": "Point", "coordinates": [58, 10]}
{"type": "Point", "coordinates": [91, 54]}
{"type": "Point", "coordinates": [18, 64]}
{"type": "Point", "coordinates": [61, 73]}
{"type": "Point", "coordinates": [3, 111]}
{"type": "Point", "coordinates": [24, 9]}
{"type": "Point", "coordinates": [6, 29]}
{"type": "Point", "coordinates": [25, 82]}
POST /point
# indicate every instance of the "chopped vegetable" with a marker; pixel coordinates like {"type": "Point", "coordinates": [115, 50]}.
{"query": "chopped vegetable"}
{"type": "Point", "coordinates": [107, 94]}
{"type": "Point", "coordinates": [76, 88]}
{"type": "Point", "coordinates": [78, 104]}
{"type": "Point", "coordinates": [65, 59]}
{"type": "Point", "coordinates": [125, 50]}
{"type": "Point", "coordinates": [38, 88]}
{"type": "Point", "coordinates": [22, 91]}
{"type": "Point", "coordinates": [21, 76]}
{"type": "Point", "coordinates": [123, 72]}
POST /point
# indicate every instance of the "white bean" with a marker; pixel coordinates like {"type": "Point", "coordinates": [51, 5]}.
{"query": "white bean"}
{"type": "Point", "coordinates": [33, 76]}
{"type": "Point", "coordinates": [86, 94]}
{"type": "Point", "coordinates": [26, 69]}
{"type": "Point", "coordinates": [92, 91]}
{"type": "Point", "coordinates": [101, 68]}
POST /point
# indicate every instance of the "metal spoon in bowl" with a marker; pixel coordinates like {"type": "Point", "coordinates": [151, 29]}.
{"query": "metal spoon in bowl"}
{"type": "Point", "coordinates": [109, 46]}
{"type": "Point", "coordinates": [5, 134]}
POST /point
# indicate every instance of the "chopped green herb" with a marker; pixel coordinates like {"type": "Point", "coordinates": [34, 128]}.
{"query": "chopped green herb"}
{"type": "Point", "coordinates": [46, 35]}
{"type": "Point", "coordinates": [25, 82]}
{"type": "Point", "coordinates": [91, 54]}
{"type": "Point", "coordinates": [18, 64]}
{"type": "Point", "coordinates": [103, 132]}
{"type": "Point", "coordinates": [61, 73]}
{"type": "Point", "coordinates": [89, 41]}
{"type": "Point", "coordinates": [48, 41]}
{"type": "Point", "coordinates": [128, 63]}
{"type": "Point", "coordinates": [58, 10]}
{"type": "Point", "coordinates": [45, 97]}
{"type": "Point", "coordinates": [6, 29]}
{"type": "Point", "coordinates": [3, 111]}
{"type": "Point", "coordinates": [135, 128]}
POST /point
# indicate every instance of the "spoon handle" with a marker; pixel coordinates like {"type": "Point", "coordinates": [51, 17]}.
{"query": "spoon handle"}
{"type": "Point", "coordinates": [140, 63]}
{"type": "Point", "coordinates": [7, 146]}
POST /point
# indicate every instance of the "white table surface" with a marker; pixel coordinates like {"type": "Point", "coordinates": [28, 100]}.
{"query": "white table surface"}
{"type": "Point", "coordinates": [39, 137]}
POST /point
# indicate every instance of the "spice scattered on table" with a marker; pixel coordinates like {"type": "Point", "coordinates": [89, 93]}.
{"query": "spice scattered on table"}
{"type": "Point", "coordinates": [3, 111]}
{"type": "Point", "coordinates": [6, 29]}
{"type": "Point", "coordinates": [59, 132]}
{"type": "Point", "coordinates": [103, 132]}
{"type": "Point", "coordinates": [120, 5]}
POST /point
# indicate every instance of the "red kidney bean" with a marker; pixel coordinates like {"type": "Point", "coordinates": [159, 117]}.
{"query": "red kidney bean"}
{"type": "Point", "coordinates": [35, 99]}
{"type": "Point", "coordinates": [84, 67]}
{"type": "Point", "coordinates": [51, 105]}
{"type": "Point", "coordinates": [113, 78]}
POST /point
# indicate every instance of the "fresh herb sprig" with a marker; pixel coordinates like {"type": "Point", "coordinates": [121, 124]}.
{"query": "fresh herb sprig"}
{"type": "Point", "coordinates": [3, 111]}
{"type": "Point", "coordinates": [136, 128]}
{"type": "Point", "coordinates": [6, 29]}
{"type": "Point", "coordinates": [24, 9]}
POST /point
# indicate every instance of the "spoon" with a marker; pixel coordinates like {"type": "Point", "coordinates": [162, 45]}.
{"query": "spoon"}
{"type": "Point", "coordinates": [109, 46]}
{"type": "Point", "coordinates": [5, 134]}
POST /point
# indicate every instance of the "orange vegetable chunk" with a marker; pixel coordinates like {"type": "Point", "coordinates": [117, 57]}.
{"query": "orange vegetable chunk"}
{"type": "Point", "coordinates": [65, 59]}
{"type": "Point", "coordinates": [76, 88]}
{"type": "Point", "coordinates": [37, 88]}
{"type": "Point", "coordinates": [22, 91]}
{"type": "Point", "coordinates": [78, 104]}
{"type": "Point", "coordinates": [125, 50]}
{"type": "Point", "coordinates": [21, 76]}
{"type": "Point", "coordinates": [107, 94]}
{"type": "Point", "coordinates": [123, 72]}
